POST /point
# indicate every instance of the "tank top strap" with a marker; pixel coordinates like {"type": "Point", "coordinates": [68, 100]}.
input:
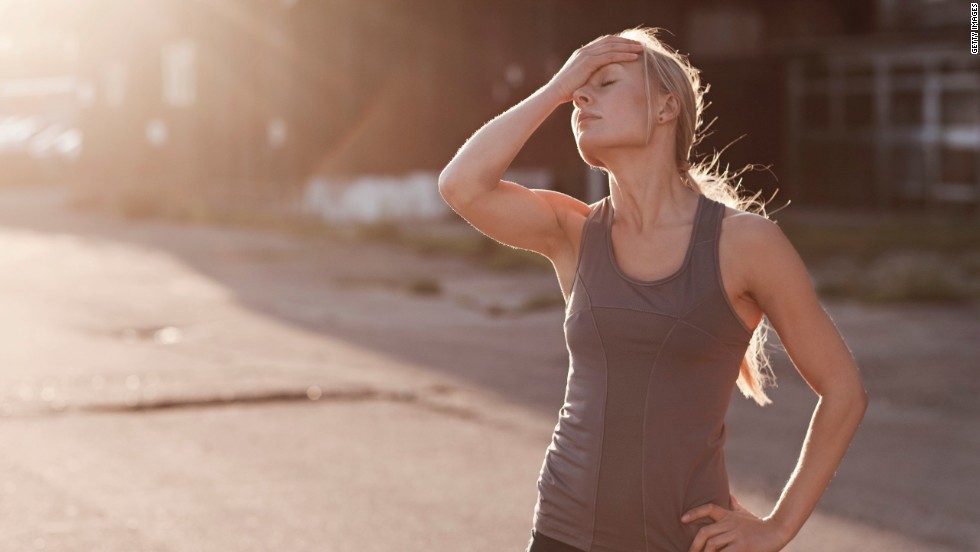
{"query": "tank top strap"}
{"type": "Point", "coordinates": [701, 272]}
{"type": "Point", "coordinates": [596, 262]}
{"type": "Point", "coordinates": [708, 228]}
{"type": "Point", "coordinates": [591, 248]}
{"type": "Point", "coordinates": [596, 266]}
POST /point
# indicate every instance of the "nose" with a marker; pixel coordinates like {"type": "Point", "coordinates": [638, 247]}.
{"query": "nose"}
{"type": "Point", "coordinates": [580, 98]}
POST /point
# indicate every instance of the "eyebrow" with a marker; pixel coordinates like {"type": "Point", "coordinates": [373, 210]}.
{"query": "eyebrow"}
{"type": "Point", "coordinates": [605, 68]}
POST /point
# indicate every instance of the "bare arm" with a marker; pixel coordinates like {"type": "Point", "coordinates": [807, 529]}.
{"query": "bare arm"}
{"type": "Point", "coordinates": [483, 159]}
{"type": "Point", "coordinates": [508, 212]}
{"type": "Point", "coordinates": [781, 285]}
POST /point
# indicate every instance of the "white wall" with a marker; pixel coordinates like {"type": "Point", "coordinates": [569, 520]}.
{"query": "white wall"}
{"type": "Point", "coordinates": [373, 198]}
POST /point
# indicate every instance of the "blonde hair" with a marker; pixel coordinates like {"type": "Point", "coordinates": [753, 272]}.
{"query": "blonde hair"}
{"type": "Point", "coordinates": [675, 75]}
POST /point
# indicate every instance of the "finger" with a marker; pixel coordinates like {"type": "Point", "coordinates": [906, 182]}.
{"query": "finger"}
{"type": "Point", "coordinates": [610, 38]}
{"type": "Point", "coordinates": [719, 541]}
{"type": "Point", "coordinates": [612, 42]}
{"type": "Point", "coordinates": [707, 537]}
{"type": "Point", "coordinates": [710, 510]}
{"type": "Point", "coordinates": [617, 57]}
{"type": "Point", "coordinates": [597, 62]}
{"type": "Point", "coordinates": [614, 47]}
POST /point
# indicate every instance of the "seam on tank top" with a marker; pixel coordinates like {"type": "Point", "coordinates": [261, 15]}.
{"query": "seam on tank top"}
{"type": "Point", "coordinates": [700, 329]}
{"type": "Point", "coordinates": [581, 254]}
{"type": "Point", "coordinates": [643, 434]}
{"type": "Point", "coordinates": [664, 314]}
{"type": "Point", "coordinates": [602, 423]}
{"type": "Point", "coordinates": [695, 306]}
{"type": "Point", "coordinates": [692, 309]}
{"type": "Point", "coordinates": [711, 335]}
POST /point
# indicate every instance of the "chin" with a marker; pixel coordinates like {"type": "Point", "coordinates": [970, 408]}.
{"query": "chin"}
{"type": "Point", "coordinates": [593, 162]}
{"type": "Point", "coordinates": [587, 150]}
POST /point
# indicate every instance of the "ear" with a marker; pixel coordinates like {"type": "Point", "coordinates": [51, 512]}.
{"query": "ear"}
{"type": "Point", "coordinates": [670, 107]}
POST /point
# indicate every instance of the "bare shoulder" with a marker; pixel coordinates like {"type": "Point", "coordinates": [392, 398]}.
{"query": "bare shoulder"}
{"type": "Point", "coordinates": [754, 234]}
{"type": "Point", "coordinates": [572, 214]}
{"type": "Point", "coordinates": [765, 255]}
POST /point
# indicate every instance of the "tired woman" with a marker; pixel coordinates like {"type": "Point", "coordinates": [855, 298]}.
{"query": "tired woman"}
{"type": "Point", "coordinates": [666, 281]}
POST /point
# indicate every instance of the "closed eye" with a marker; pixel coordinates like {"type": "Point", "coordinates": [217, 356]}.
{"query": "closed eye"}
{"type": "Point", "coordinates": [607, 83]}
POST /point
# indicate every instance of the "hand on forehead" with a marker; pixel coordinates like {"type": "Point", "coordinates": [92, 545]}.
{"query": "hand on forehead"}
{"type": "Point", "coordinates": [610, 68]}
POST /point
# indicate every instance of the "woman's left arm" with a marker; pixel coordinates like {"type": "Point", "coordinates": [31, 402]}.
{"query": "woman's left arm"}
{"type": "Point", "coordinates": [779, 282]}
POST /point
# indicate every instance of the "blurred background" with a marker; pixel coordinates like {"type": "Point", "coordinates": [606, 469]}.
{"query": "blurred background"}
{"type": "Point", "coordinates": [239, 316]}
{"type": "Point", "coordinates": [246, 102]}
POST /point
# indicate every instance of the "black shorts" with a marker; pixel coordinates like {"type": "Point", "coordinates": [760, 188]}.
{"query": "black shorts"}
{"type": "Point", "coordinates": [544, 543]}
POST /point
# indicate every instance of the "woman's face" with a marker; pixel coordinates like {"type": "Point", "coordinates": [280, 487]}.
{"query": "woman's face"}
{"type": "Point", "coordinates": [615, 95]}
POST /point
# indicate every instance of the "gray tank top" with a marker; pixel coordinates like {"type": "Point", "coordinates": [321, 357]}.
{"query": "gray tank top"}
{"type": "Point", "coordinates": [653, 364]}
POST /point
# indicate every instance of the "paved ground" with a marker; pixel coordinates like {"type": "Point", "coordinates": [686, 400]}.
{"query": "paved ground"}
{"type": "Point", "coordinates": [167, 387]}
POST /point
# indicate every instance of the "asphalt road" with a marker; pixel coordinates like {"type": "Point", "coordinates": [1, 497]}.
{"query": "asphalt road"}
{"type": "Point", "coordinates": [174, 387]}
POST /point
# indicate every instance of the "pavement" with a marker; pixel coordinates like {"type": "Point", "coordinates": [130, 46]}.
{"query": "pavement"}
{"type": "Point", "coordinates": [173, 387]}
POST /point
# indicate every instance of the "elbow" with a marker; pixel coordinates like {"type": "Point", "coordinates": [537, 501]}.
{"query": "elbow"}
{"type": "Point", "coordinates": [852, 398]}
{"type": "Point", "coordinates": [451, 172]}
{"type": "Point", "coordinates": [445, 188]}
{"type": "Point", "coordinates": [860, 401]}
{"type": "Point", "coordinates": [445, 177]}
{"type": "Point", "coordinates": [863, 400]}
{"type": "Point", "coordinates": [859, 396]}
{"type": "Point", "coordinates": [458, 190]}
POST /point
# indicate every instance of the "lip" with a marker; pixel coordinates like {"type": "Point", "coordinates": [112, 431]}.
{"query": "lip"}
{"type": "Point", "coordinates": [587, 117]}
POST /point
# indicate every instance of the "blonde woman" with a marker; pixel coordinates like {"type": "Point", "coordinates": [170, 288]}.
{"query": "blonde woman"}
{"type": "Point", "coordinates": [666, 281]}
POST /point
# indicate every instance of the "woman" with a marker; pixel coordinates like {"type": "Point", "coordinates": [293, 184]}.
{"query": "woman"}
{"type": "Point", "coordinates": [666, 281]}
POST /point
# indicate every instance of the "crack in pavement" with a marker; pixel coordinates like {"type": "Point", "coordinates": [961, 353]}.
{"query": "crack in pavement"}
{"type": "Point", "coordinates": [310, 395]}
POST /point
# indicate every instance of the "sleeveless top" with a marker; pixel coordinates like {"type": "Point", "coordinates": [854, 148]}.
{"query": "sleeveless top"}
{"type": "Point", "coordinates": [653, 364]}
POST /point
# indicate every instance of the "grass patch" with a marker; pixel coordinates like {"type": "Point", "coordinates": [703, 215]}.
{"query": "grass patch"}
{"type": "Point", "coordinates": [949, 270]}
{"type": "Point", "coordinates": [542, 301]}
{"type": "Point", "coordinates": [424, 286]}
{"type": "Point", "coordinates": [891, 259]}
{"type": "Point", "coordinates": [507, 258]}
{"type": "Point", "coordinates": [901, 277]}
{"type": "Point", "coordinates": [432, 244]}
{"type": "Point", "coordinates": [918, 289]}
{"type": "Point", "coordinates": [816, 241]}
{"type": "Point", "coordinates": [383, 231]}
{"type": "Point", "coordinates": [150, 203]}
{"type": "Point", "coordinates": [471, 245]}
{"type": "Point", "coordinates": [495, 310]}
{"type": "Point", "coordinates": [146, 204]}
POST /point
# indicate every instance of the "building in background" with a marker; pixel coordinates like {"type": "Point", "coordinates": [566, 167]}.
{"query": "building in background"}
{"type": "Point", "coordinates": [190, 99]}
{"type": "Point", "coordinates": [39, 135]}
{"type": "Point", "coordinates": [889, 118]}
{"type": "Point", "coordinates": [269, 103]}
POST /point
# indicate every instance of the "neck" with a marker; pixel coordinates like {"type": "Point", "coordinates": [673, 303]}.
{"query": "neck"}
{"type": "Point", "coordinates": [647, 193]}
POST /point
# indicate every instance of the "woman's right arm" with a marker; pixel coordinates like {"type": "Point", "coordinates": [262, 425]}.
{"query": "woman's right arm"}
{"type": "Point", "coordinates": [505, 211]}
